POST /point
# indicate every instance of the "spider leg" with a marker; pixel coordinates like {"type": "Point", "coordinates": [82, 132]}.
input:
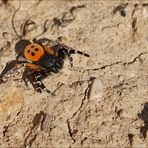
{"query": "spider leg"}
{"type": "Point", "coordinates": [42, 87]}
{"type": "Point", "coordinates": [9, 69]}
{"type": "Point", "coordinates": [62, 54]}
{"type": "Point", "coordinates": [24, 78]}
{"type": "Point", "coordinates": [70, 59]}
{"type": "Point", "coordinates": [70, 50]}
{"type": "Point", "coordinates": [64, 50]}
{"type": "Point", "coordinates": [40, 84]}
{"type": "Point", "coordinates": [34, 78]}
{"type": "Point", "coordinates": [29, 75]}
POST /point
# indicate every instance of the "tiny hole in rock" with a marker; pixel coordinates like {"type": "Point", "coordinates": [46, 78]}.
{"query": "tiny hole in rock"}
{"type": "Point", "coordinates": [123, 12]}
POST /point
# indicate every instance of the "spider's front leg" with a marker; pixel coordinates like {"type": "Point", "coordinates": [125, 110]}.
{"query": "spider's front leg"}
{"type": "Point", "coordinates": [68, 51]}
{"type": "Point", "coordinates": [70, 59]}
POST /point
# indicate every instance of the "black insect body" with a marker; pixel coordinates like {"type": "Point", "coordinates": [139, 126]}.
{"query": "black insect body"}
{"type": "Point", "coordinates": [38, 58]}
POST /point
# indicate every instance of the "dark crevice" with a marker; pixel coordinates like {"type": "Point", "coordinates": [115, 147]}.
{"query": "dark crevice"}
{"type": "Point", "coordinates": [118, 112]}
{"type": "Point", "coordinates": [134, 60]}
{"type": "Point", "coordinates": [5, 1]}
{"type": "Point", "coordinates": [32, 140]}
{"type": "Point", "coordinates": [70, 131]}
{"type": "Point", "coordinates": [134, 22]}
{"type": "Point", "coordinates": [84, 139]}
{"type": "Point", "coordinates": [134, 27]}
{"type": "Point", "coordinates": [5, 130]}
{"type": "Point", "coordinates": [130, 138]}
{"type": "Point", "coordinates": [119, 62]}
{"type": "Point", "coordinates": [86, 95]}
{"type": "Point", "coordinates": [66, 18]}
{"type": "Point", "coordinates": [145, 4]}
{"type": "Point", "coordinates": [121, 9]}
{"type": "Point", "coordinates": [144, 117]}
{"type": "Point", "coordinates": [105, 66]}
{"type": "Point", "coordinates": [39, 1]}
{"type": "Point", "coordinates": [37, 120]}
{"type": "Point", "coordinates": [72, 9]}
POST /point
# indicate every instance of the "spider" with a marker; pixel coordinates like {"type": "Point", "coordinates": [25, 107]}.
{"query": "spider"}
{"type": "Point", "coordinates": [38, 57]}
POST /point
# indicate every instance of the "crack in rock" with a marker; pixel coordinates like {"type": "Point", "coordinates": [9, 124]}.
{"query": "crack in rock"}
{"type": "Point", "coordinates": [66, 17]}
{"type": "Point", "coordinates": [70, 131]}
{"type": "Point", "coordinates": [37, 121]}
{"type": "Point", "coordinates": [144, 117]}
{"type": "Point", "coordinates": [130, 137]}
{"type": "Point", "coordinates": [137, 57]}
{"type": "Point", "coordinates": [86, 96]}
{"type": "Point", "coordinates": [5, 130]}
{"type": "Point", "coordinates": [134, 22]}
{"type": "Point", "coordinates": [118, 62]}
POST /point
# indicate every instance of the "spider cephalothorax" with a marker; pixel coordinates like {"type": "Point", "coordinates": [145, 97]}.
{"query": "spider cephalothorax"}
{"type": "Point", "coordinates": [39, 58]}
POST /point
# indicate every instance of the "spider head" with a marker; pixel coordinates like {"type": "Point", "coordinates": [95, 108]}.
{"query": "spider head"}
{"type": "Point", "coordinates": [21, 45]}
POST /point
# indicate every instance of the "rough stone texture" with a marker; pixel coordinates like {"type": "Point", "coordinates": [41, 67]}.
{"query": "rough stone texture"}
{"type": "Point", "coordinates": [103, 101]}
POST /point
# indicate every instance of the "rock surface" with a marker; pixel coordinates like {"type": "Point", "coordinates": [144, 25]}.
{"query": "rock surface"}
{"type": "Point", "coordinates": [103, 101]}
